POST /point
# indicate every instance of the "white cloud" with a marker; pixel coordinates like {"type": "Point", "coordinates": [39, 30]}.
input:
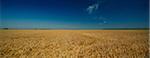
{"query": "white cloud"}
{"type": "Point", "coordinates": [92, 8]}
{"type": "Point", "coordinates": [95, 6]}
{"type": "Point", "coordinates": [101, 20]}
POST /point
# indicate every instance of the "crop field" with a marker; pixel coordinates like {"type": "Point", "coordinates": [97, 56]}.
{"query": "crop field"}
{"type": "Point", "coordinates": [74, 44]}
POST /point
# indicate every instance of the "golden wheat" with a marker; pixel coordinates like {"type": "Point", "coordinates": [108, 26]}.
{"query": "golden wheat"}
{"type": "Point", "coordinates": [74, 44]}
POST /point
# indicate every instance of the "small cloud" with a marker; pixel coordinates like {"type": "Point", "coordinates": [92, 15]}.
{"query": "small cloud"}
{"type": "Point", "coordinates": [105, 22]}
{"type": "Point", "coordinates": [92, 8]}
{"type": "Point", "coordinates": [102, 22]}
{"type": "Point", "coordinates": [100, 18]}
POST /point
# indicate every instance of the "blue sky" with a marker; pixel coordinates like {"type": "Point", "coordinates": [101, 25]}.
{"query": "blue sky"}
{"type": "Point", "coordinates": [74, 13]}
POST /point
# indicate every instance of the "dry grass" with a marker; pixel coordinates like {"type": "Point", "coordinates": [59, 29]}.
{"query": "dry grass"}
{"type": "Point", "coordinates": [74, 44]}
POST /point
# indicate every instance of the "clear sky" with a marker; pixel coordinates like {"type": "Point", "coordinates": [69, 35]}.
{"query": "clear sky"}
{"type": "Point", "coordinates": [74, 13]}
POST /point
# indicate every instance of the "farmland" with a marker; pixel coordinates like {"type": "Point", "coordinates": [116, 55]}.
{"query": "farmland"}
{"type": "Point", "coordinates": [74, 44]}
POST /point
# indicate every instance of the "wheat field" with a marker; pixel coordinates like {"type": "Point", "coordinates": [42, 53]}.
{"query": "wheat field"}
{"type": "Point", "coordinates": [74, 43]}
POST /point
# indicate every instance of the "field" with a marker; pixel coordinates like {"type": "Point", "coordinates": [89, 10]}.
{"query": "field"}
{"type": "Point", "coordinates": [74, 44]}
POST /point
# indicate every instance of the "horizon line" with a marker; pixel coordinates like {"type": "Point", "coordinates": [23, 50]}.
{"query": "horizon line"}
{"type": "Point", "coordinates": [75, 28]}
